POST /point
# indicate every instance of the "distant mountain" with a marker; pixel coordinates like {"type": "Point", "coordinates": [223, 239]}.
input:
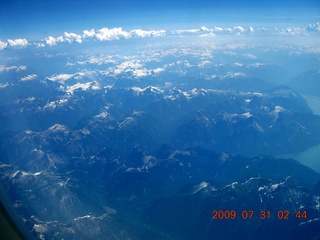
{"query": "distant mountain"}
{"type": "Point", "coordinates": [268, 122]}
{"type": "Point", "coordinates": [307, 83]}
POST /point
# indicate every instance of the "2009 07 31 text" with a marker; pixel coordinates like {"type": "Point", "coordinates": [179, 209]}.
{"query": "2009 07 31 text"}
{"type": "Point", "coordinates": [262, 214]}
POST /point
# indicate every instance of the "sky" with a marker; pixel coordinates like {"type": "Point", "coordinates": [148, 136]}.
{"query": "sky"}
{"type": "Point", "coordinates": [45, 17]}
{"type": "Point", "coordinates": [24, 21]}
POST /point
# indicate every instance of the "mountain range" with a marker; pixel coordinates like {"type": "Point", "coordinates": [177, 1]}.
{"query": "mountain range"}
{"type": "Point", "coordinates": [125, 159]}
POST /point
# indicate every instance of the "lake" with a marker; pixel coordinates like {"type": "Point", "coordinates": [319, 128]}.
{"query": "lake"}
{"type": "Point", "coordinates": [310, 157]}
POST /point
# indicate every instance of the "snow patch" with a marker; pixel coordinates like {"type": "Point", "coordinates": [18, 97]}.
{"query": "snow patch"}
{"type": "Point", "coordinates": [15, 174]}
{"type": "Point", "coordinates": [37, 173]}
{"type": "Point", "coordinates": [279, 109]}
{"type": "Point", "coordinates": [150, 88]}
{"type": "Point", "coordinates": [247, 115]}
{"type": "Point", "coordinates": [310, 221]}
{"type": "Point", "coordinates": [58, 128]}
{"type": "Point", "coordinates": [60, 77]}
{"type": "Point", "coordinates": [274, 186]}
{"type": "Point", "coordinates": [82, 86]}
{"type": "Point", "coordinates": [4, 85]}
{"type": "Point", "coordinates": [200, 186]}
{"type": "Point", "coordinates": [83, 217]}
{"type": "Point", "coordinates": [233, 75]}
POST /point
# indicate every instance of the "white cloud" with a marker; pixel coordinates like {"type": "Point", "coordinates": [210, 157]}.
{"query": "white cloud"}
{"type": "Point", "coordinates": [89, 33]}
{"type": "Point", "coordinates": [3, 45]}
{"type": "Point", "coordinates": [238, 30]}
{"type": "Point", "coordinates": [103, 34]}
{"type": "Point", "coordinates": [67, 37]}
{"type": "Point", "coordinates": [204, 64]}
{"type": "Point", "coordinates": [218, 29]}
{"type": "Point", "coordinates": [111, 34]}
{"type": "Point", "coordinates": [315, 27]}
{"type": "Point", "coordinates": [256, 65]}
{"type": "Point", "coordinates": [146, 72]}
{"type": "Point", "coordinates": [18, 43]}
{"type": "Point", "coordinates": [151, 33]}
{"type": "Point", "coordinates": [183, 31]}
{"type": "Point", "coordinates": [51, 41]}
{"type": "Point", "coordinates": [208, 35]}
{"type": "Point", "coordinates": [158, 70]}
{"type": "Point", "coordinates": [202, 31]}
{"type": "Point", "coordinates": [249, 56]}
{"type": "Point", "coordinates": [102, 59]}
{"type": "Point", "coordinates": [72, 37]}
{"type": "Point", "coordinates": [106, 34]}
{"type": "Point", "coordinates": [209, 32]}
{"type": "Point", "coordinates": [238, 64]}
{"type": "Point", "coordinates": [29, 77]}
{"type": "Point", "coordinates": [12, 68]}
{"type": "Point", "coordinates": [41, 44]}
{"type": "Point", "coordinates": [292, 31]}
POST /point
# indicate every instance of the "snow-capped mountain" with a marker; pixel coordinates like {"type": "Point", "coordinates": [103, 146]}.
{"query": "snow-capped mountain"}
{"type": "Point", "coordinates": [150, 146]}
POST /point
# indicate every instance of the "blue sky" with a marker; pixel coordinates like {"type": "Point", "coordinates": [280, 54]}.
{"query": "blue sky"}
{"type": "Point", "coordinates": [35, 18]}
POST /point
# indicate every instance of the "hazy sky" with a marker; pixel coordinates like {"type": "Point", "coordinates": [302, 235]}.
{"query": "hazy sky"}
{"type": "Point", "coordinates": [40, 18]}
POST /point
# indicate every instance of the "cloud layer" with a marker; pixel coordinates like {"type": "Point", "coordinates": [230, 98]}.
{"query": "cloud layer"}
{"type": "Point", "coordinates": [118, 33]}
{"type": "Point", "coordinates": [18, 43]}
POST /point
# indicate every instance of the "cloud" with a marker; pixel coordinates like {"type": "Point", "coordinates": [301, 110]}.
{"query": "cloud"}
{"type": "Point", "coordinates": [12, 68]}
{"type": "Point", "coordinates": [215, 31]}
{"type": "Point", "coordinates": [117, 33]}
{"type": "Point", "coordinates": [72, 37]}
{"type": "Point", "coordinates": [103, 34]}
{"type": "Point", "coordinates": [146, 72]}
{"type": "Point", "coordinates": [67, 37]}
{"type": "Point", "coordinates": [256, 65]}
{"type": "Point", "coordinates": [315, 27]}
{"type": "Point", "coordinates": [3, 45]}
{"type": "Point", "coordinates": [89, 33]}
{"type": "Point", "coordinates": [143, 33]}
{"type": "Point", "coordinates": [194, 31]}
{"type": "Point", "coordinates": [184, 31]}
{"type": "Point", "coordinates": [29, 77]}
{"type": "Point", "coordinates": [106, 34]}
{"type": "Point", "coordinates": [238, 64]}
{"type": "Point", "coordinates": [51, 41]}
{"type": "Point", "coordinates": [18, 43]}
{"type": "Point", "coordinates": [292, 31]}
{"type": "Point", "coordinates": [203, 64]}
{"type": "Point", "coordinates": [239, 30]}
{"type": "Point", "coordinates": [249, 56]}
